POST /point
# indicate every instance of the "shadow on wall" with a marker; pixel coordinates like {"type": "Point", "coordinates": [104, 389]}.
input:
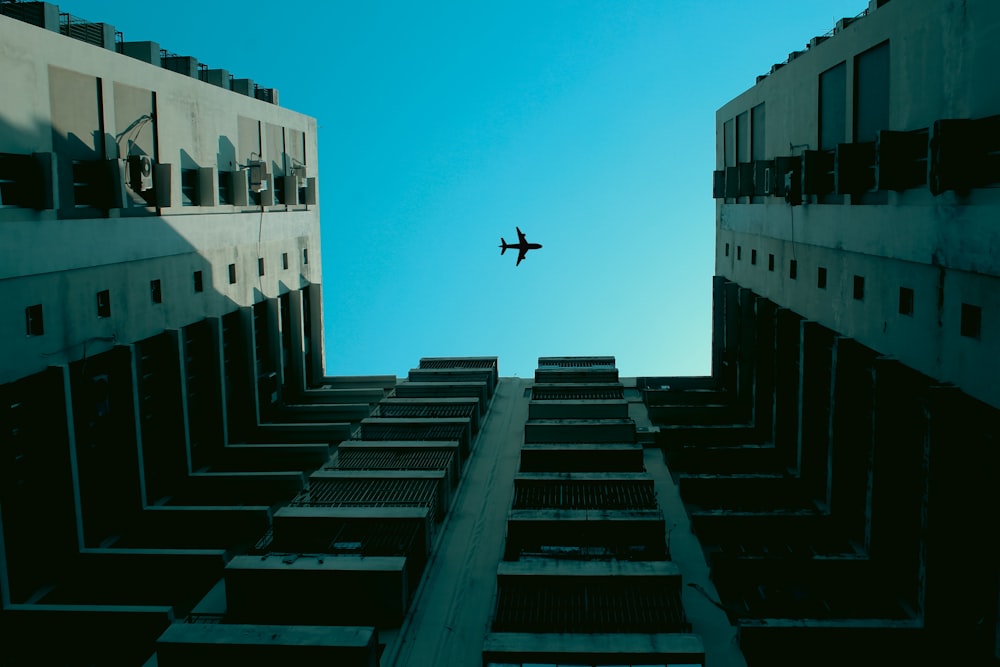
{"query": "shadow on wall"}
{"type": "Point", "coordinates": [96, 410]}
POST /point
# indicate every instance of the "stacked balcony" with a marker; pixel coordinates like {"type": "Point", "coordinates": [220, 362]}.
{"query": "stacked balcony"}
{"type": "Point", "coordinates": [585, 576]}
{"type": "Point", "coordinates": [810, 477]}
{"type": "Point", "coordinates": [350, 548]}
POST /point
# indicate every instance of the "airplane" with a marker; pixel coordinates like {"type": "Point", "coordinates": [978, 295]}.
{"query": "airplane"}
{"type": "Point", "coordinates": [522, 246]}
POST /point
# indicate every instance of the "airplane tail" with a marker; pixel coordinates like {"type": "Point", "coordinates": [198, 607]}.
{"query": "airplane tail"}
{"type": "Point", "coordinates": [503, 246]}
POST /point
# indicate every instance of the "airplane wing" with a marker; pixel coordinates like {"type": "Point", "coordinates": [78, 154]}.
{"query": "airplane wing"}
{"type": "Point", "coordinates": [521, 254]}
{"type": "Point", "coordinates": [520, 236]}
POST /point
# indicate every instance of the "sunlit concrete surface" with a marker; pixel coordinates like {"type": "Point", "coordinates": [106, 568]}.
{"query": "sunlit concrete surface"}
{"type": "Point", "coordinates": [454, 603]}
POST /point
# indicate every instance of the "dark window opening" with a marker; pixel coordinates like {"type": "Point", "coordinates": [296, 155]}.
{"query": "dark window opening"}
{"type": "Point", "coordinates": [260, 266]}
{"type": "Point", "coordinates": [33, 323]}
{"type": "Point", "coordinates": [156, 291]}
{"type": "Point", "coordinates": [284, 261]}
{"type": "Point", "coordinates": [753, 256]}
{"type": "Point", "coordinates": [859, 287]}
{"type": "Point", "coordinates": [821, 278]}
{"type": "Point", "coordinates": [739, 252]}
{"type": "Point", "coordinates": [104, 303]}
{"type": "Point", "coordinates": [727, 250]}
{"type": "Point", "coordinates": [770, 262]}
{"type": "Point", "coordinates": [793, 269]}
{"type": "Point", "coordinates": [905, 301]}
{"type": "Point", "coordinates": [225, 187]}
{"type": "Point", "coordinates": [232, 274]}
{"type": "Point", "coordinates": [305, 255]}
{"type": "Point", "coordinates": [189, 187]}
{"type": "Point", "coordinates": [199, 285]}
{"type": "Point", "coordinates": [972, 321]}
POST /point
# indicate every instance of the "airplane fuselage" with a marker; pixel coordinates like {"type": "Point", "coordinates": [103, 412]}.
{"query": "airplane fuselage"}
{"type": "Point", "coordinates": [522, 246]}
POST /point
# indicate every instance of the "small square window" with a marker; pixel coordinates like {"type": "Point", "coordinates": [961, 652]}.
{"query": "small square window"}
{"type": "Point", "coordinates": [753, 256]}
{"type": "Point", "coordinates": [284, 261]}
{"type": "Point", "coordinates": [770, 262]}
{"type": "Point", "coordinates": [906, 301]}
{"type": "Point", "coordinates": [33, 324]}
{"type": "Point", "coordinates": [199, 284]}
{"type": "Point", "coordinates": [260, 266]}
{"type": "Point", "coordinates": [793, 269]}
{"type": "Point", "coordinates": [104, 303]}
{"type": "Point", "coordinates": [859, 288]}
{"type": "Point", "coordinates": [821, 278]}
{"type": "Point", "coordinates": [972, 321]}
{"type": "Point", "coordinates": [739, 252]}
{"type": "Point", "coordinates": [305, 255]}
{"type": "Point", "coordinates": [155, 291]}
{"type": "Point", "coordinates": [232, 274]}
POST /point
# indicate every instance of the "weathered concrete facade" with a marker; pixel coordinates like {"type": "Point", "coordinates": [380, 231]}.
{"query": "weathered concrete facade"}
{"type": "Point", "coordinates": [887, 129]}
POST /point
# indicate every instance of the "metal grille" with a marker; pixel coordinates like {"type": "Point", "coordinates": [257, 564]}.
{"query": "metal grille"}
{"type": "Point", "coordinates": [584, 494]}
{"type": "Point", "coordinates": [29, 12]}
{"type": "Point", "coordinates": [409, 432]}
{"type": "Point", "coordinates": [576, 363]}
{"type": "Point", "coordinates": [393, 459]}
{"type": "Point", "coordinates": [579, 604]}
{"type": "Point", "coordinates": [375, 539]}
{"type": "Point", "coordinates": [577, 393]}
{"type": "Point", "coordinates": [458, 363]}
{"type": "Point", "coordinates": [77, 28]}
{"type": "Point", "coordinates": [369, 493]}
{"type": "Point", "coordinates": [425, 410]}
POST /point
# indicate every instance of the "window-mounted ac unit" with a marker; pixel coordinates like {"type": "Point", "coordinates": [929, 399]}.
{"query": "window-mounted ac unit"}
{"type": "Point", "coordinates": [257, 176]}
{"type": "Point", "coordinates": [140, 173]}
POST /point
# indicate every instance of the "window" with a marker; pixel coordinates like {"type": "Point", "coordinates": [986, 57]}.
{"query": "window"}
{"type": "Point", "coordinates": [104, 303]}
{"type": "Point", "coordinates": [727, 250]}
{"type": "Point", "coordinates": [155, 291]}
{"type": "Point", "coordinates": [770, 262]}
{"type": "Point", "coordinates": [225, 187]}
{"type": "Point", "coordinates": [33, 324]}
{"type": "Point", "coordinates": [906, 301]}
{"type": "Point", "coordinates": [832, 107]}
{"type": "Point", "coordinates": [739, 252]}
{"type": "Point", "coordinates": [871, 93]}
{"type": "Point", "coordinates": [821, 278]}
{"type": "Point", "coordinates": [305, 255]}
{"type": "Point", "coordinates": [199, 285]}
{"type": "Point", "coordinates": [972, 319]}
{"type": "Point", "coordinates": [284, 260]}
{"type": "Point", "coordinates": [793, 269]}
{"type": "Point", "coordinates": [232, 274]}
{"type": "Point", "coordinates": [753, 256]}
{"type": "Point", "coordinates": [859, 288]}
{"type": "Point", "coordinates": [757, 133]}
{"type": "Point", "coordinates": [260, 266]}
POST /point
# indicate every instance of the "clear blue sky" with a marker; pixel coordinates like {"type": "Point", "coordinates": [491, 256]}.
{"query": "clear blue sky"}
{"type": "Point", "coordinates": [443, 125]}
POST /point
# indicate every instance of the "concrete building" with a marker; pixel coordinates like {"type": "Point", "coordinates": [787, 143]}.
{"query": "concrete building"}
{"type": "Point", "coordinates": [180, 483]}
{"type": "Point", "coordinates": [842, 493]}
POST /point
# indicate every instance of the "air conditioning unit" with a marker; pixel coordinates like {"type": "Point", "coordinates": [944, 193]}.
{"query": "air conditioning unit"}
{"type": "Point", "coordinates": [257, 171]}
{"type": "Point", "coordinates": [140, 173]}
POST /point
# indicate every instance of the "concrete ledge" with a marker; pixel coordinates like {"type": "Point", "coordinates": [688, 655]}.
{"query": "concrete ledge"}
{"type": "Point", "coordinates": [580, 430]}
{"type": "Point", "coordinates": [546, 567]}
{"type": "Point", "coordinates": [578, 409]}
{"type": "Point", "coordinates": [640, 533]}
{"type": "Point", "coordinates": [517, 647]}
{"type": "Point", "coordinates": [470, 403]}
{"type": "Point", "coordinates": [186, 644]}
{"type": "Point", "coordinates": [408, 389]}
{"type": "Point", "coordinates": [324, 412]}
{"type": "Point", "coordinates": [82, 634]}
{"type": "Point", "coordinates": [582, 457]}
{"type": "Point", "coordinates": [316, 590]}
{"type": "Point", "coordinates": [451, 375]}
